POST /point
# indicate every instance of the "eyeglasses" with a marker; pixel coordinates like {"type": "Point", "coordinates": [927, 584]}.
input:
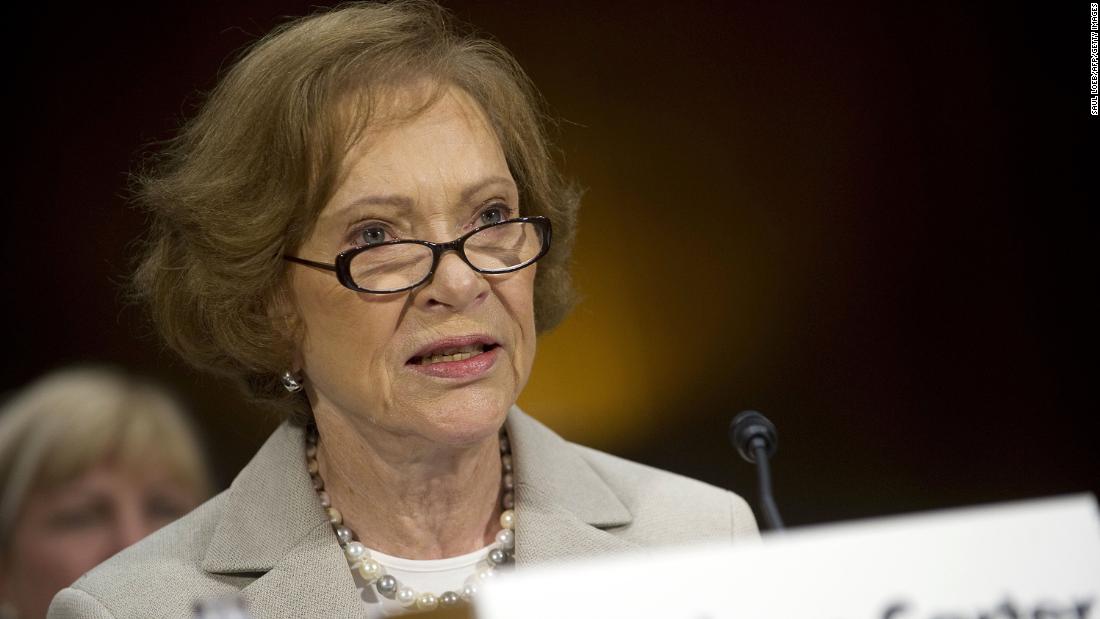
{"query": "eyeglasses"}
{"type": "Point", "coordinates": [396, 266]}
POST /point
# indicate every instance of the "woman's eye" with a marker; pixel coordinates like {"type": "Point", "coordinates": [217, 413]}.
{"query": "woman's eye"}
{"type": "Point", "coordinates": [371, 235]}
{"type": "Point", "coordinates": [79, 517]}
{"type": "Point", "coordinates": [493, 215]}
{"type": "Point", "coordinates": [163, 508]}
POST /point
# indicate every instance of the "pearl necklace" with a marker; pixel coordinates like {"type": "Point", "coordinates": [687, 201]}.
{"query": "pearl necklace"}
{"type": "Point", "coordinates": [373, 573]}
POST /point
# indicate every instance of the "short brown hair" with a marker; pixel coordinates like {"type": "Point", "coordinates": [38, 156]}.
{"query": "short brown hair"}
{"type": "Point", "coordinates": [243, 181]}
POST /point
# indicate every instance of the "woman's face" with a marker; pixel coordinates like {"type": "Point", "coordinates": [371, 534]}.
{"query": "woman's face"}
{"type": "Point", "coordinates": [369, 357]}
{"type": "Point", "coordinates": [65, 531]}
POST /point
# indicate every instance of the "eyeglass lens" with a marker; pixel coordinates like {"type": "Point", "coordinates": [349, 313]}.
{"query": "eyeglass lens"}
{"type": "Point", "coordinates": [497, 248]}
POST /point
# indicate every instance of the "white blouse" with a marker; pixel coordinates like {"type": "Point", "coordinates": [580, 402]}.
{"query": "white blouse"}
{"type": "Point", "coordinates": [423, 576]}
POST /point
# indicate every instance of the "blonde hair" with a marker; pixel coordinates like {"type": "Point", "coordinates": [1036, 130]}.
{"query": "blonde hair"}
{"type": "Point", "coordinates": [244, 180]}
{"type": "Point", "coordinates": [69, 420]}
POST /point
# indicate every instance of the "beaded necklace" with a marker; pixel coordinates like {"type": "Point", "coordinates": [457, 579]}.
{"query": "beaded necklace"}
{"type": "Point", "coordinates": [374, 573]}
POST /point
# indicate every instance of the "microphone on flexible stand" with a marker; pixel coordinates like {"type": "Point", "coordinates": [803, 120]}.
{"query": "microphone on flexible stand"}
{"type": "Point", "coordinates": [755, 439]}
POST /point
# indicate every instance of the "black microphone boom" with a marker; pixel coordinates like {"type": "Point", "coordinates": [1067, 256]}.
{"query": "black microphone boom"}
{"type": "Point", "coordinates": [756, 440]}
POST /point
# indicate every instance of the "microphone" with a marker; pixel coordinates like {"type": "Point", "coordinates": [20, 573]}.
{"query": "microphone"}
{"type": "Point", "coordinates": [756, 440]}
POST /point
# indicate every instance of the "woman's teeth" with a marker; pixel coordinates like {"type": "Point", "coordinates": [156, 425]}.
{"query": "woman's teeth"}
{"type": "Point", "coordinates": [458, 354]}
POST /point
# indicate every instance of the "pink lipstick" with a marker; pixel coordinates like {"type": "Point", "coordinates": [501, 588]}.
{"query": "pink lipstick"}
{"type": "Point", "coordinates": [456, 357]}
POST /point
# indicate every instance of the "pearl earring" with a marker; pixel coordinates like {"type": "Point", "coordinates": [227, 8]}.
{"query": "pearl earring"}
{"type": "Point", "coordinates": [291, 382]}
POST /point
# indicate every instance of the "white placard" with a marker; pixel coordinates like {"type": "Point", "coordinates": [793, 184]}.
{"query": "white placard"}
{"type": "Point", "coordinates": [1030, 560]}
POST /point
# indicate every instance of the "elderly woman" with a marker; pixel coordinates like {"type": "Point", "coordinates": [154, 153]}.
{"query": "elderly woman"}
{"type": "Point", "coordinates": [91, 461]}
{"type": "Point", "coordinates": [364, 224]}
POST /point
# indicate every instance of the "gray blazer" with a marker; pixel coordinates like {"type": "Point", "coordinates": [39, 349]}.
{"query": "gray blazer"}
{"type": "Point", "coordinates": [268, 539]}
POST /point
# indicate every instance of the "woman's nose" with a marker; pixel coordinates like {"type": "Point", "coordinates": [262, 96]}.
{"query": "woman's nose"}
{"type": "Point", "coordinates": [454, 285]}
{"type": "Point", "coordinates": [131, 529]}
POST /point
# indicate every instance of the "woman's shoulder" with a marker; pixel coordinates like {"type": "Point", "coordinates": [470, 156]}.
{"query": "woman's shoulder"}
{"type": "Point", "coordinates": [267, 534]}
{"type": "Point", "coordinates": [639, 504]}
{"type": "Point", "coordinates": [682, 508]}
{"type": "Point", "coordinates": [161, 575]}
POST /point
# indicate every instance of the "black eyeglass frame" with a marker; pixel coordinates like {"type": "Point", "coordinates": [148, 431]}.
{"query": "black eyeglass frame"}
{"type": "Point", "coordinates": [342, 266]}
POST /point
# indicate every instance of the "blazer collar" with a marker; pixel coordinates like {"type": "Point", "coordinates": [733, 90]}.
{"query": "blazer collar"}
{"type": "Point", "coordinates": [273, 526]}
{"type": "Point", "coordinates": [563, 507]}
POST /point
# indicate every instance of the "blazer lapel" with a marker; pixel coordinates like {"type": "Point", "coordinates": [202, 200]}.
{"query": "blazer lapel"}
{"type": "Point", "coordinates": [274, 527]}
{"type": "Point", "coordinates": [564, 509]}
{"type": "Point", "coordinates": [311, 580]}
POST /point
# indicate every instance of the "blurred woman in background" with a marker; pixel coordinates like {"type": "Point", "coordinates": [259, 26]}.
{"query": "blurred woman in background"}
{"type": "Point", "coordinates": [91, 461]}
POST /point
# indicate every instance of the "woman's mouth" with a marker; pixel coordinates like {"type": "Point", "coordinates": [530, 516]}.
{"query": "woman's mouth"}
{"type": "Point", "coordinates": [465, 361]}
{"type": "Point", "coordinates": [460, 353]}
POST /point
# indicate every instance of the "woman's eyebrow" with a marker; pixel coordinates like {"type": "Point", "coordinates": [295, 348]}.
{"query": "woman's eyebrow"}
{"type": "Point", "coordinates": [401, 201]}
{"type": "Point", "coordinates": [394, 200]}
{"type": "Point", "coordinates": [479, 186]}
{"type": "Point", "coordinates": [80, 496]}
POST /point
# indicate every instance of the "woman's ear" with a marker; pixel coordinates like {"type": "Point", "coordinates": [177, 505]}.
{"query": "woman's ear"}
{"type": "Point", "coordinates": [282, 311]}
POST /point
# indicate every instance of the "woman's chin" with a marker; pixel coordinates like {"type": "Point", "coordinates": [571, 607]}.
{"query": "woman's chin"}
{"type": "Point", "coordinates": [457, 416]}
{"type": "Point", "coordinates": [465, 422]}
